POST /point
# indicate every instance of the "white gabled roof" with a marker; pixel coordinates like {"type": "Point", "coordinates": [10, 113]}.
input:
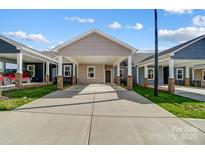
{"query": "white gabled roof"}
{"type": "Point", "coordinates": [56, 49]}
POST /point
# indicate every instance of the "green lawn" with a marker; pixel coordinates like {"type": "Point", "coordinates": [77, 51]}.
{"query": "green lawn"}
{"type": "Point", "coordinates": [179, 106]}
{"type": "Point", "coordinates": [19, 97]}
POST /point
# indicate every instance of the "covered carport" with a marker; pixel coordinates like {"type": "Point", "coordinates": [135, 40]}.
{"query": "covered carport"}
{"type": "Point", "coordinates": [26, 59]}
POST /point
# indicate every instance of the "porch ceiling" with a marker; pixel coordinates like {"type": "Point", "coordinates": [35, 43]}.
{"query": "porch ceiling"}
{"type": "Point", "coordinates": [11, 58]}
{"type": "Point", "coordinates": [110, 60]}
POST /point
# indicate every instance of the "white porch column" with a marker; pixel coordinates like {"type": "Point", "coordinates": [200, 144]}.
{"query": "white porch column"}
{"type": "Point", "coordinates": [171, 81]}
{"type": "Point", "coordinates": [193, 78]}
{"type": "Point", "coordinates": [145, 72]}
{"type": "Point", "coordinates": [171, 68]}
{"type": "Point", "coordinates": [145, 76]}
{"type": "Point", "coordinates": [129, 66]}
{"type": "Point", "coordinates": [47, 72]}
{"type": "Point", "coordinates": [74, 76]}
{"type": "Point", "coordinates": [19, 58]}
{"type": "Point", "coordinates": [118, 69]}
{"type": "Point", "coordinates": [118, 74]}
{"type": "Point", "coordinates": [187, 77]}
{"type": "Point", "coordinates": [60, 65]}
{"type": "Point", "coordinates": [73, 69]}
{"type": "Point", "coordinates": [60, 77]}
{"type": "Point", "coordinates": [129, 74]}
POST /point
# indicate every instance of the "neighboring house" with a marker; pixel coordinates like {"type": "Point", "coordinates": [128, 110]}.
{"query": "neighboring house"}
{"type": "Point", "coordinates": [136, 59]}
{"type": "Point", "coordinates": [183, 64]}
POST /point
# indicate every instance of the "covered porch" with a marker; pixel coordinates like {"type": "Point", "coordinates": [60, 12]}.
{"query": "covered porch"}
{"type": "Point", "coordinates": [174, 72]}
{"type": "Point", "coordinates": [28, 67]}
{"type": "Point", "coordinates": [94, 55]}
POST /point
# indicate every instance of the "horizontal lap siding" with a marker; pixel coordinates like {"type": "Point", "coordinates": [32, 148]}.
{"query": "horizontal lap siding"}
{"type": "Point", "coordinates": [82, 74]}
{"type": "Point", "coordinates": [94, 44]}
{"type": "Point", "coordinates": [194, 51]}
{"type": "Point", "coordinates": [6, 47]}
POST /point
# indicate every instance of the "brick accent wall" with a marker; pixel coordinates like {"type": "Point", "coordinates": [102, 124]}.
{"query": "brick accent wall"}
{"type": "Point", "coordinates": [18, 82]}
{"type": "Point", "coordinates": [171, 85]}
{"type": "Point", "coordinates": [187, 82]}
{"type": "Point", "coordinates": [145, 82]}
{"type": "Point", "coordinates": [118, 80]}
{"type": "Point", "coordinates": [74, 80]}
{"type": "Point", "coordinates": [129, 82]}
{"type": "Point", "coordinates": [47, 79]}
{"type": "Point", "coordinates": [60, 83]}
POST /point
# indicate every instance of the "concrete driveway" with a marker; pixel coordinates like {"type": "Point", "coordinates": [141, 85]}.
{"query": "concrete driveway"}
{"type": "Point", "coordinates": [95, 114]}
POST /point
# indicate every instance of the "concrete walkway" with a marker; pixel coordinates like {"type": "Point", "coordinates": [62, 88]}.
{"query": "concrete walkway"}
{"type": "Point", "coordinates": [95, 114]}
{"type": "Point", "coordinates": [196, 93]}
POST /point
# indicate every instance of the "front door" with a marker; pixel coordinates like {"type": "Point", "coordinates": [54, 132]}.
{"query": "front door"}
{"type": "Point", "coordinates": [108, 76]}
{"type": "Point", "coordinates": [166, 74]}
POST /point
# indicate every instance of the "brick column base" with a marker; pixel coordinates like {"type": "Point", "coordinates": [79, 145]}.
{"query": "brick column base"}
{"type": "Point", "coordinates": [187, 82]}
{"type": "Point", "coordinates": [129, 82]}
{"type": "Point", "coordinates": [118, 80]}
{"type": "Point", "coordinates": [74, 80]}
{"type": "Point", "coordinates": [18, 82]}
{"type": "Point", "coordinates": [60, 83]}
{"type": "Point", "coordinates": [171, 85]}
{"type": "Point", "coordinates": [145, 82]}
{"type": "Point", "coordinates": [47, 79]}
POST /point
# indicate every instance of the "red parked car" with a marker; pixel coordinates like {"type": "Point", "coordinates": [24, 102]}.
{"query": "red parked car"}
{"type": "Point", "coordinates": [9, 77]}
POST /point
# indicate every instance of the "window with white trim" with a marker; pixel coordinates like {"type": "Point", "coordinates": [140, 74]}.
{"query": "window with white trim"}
{"type": "Point", "coordinates": [31, 68]}
{"type": "Point", "coordinates": [179, 73]}
{"type": "Point", "coordinates": [67, 70]}
{"type": "Point", "coordinates": [91, 72]}
{"type": "Point", "coordinates": [121, 73]}
{"type": "Point", "coordinates": [203, 75]}
{"type": "Point", "coordinates": [150, 73]}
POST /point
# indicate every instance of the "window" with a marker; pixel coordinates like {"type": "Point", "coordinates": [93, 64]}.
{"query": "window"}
{"type": "Point", "coordinates": [150, 73]}
{"type": "Point", "coordinates": [67, 70]}
{"type": "Point", "coordinates": [31, 68]}
{"type": "Point", "coordinates": [90, 72]}
{"type": "Point", "coordinates": [179, 74]}
{"type": "Point", "coordinates": [203, 75]}
{"type": "Point", "coordinates": [121, 73]}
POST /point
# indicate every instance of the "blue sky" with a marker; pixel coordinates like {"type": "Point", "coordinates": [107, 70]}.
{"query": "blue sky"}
{"type": "Point", "coordinates": [44, 29]}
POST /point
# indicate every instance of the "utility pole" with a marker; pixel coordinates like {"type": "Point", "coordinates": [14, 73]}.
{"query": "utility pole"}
{"type": "Point", "coordinates": [156, 55]}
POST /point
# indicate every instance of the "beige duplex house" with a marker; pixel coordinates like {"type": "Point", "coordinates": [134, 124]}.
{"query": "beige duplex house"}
{"type": "Point", "coordinates": [94, 56]}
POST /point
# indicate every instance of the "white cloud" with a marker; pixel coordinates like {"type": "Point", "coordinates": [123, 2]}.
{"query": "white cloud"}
{"type": "Point", "coordinates": [179, 11]}
{"type": "Point", "coordinates": [137, 26]}
{"type": "Point", "coordinates": [199, 20]}
{"type": "Point", "coordinates": [115, 25]}
{"type": "Point", "coordinates": [182, 34]}
{"type": "Point", "coordinates": [80, 20]}
{"type": "Point", "coordinates": [30, 37]}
